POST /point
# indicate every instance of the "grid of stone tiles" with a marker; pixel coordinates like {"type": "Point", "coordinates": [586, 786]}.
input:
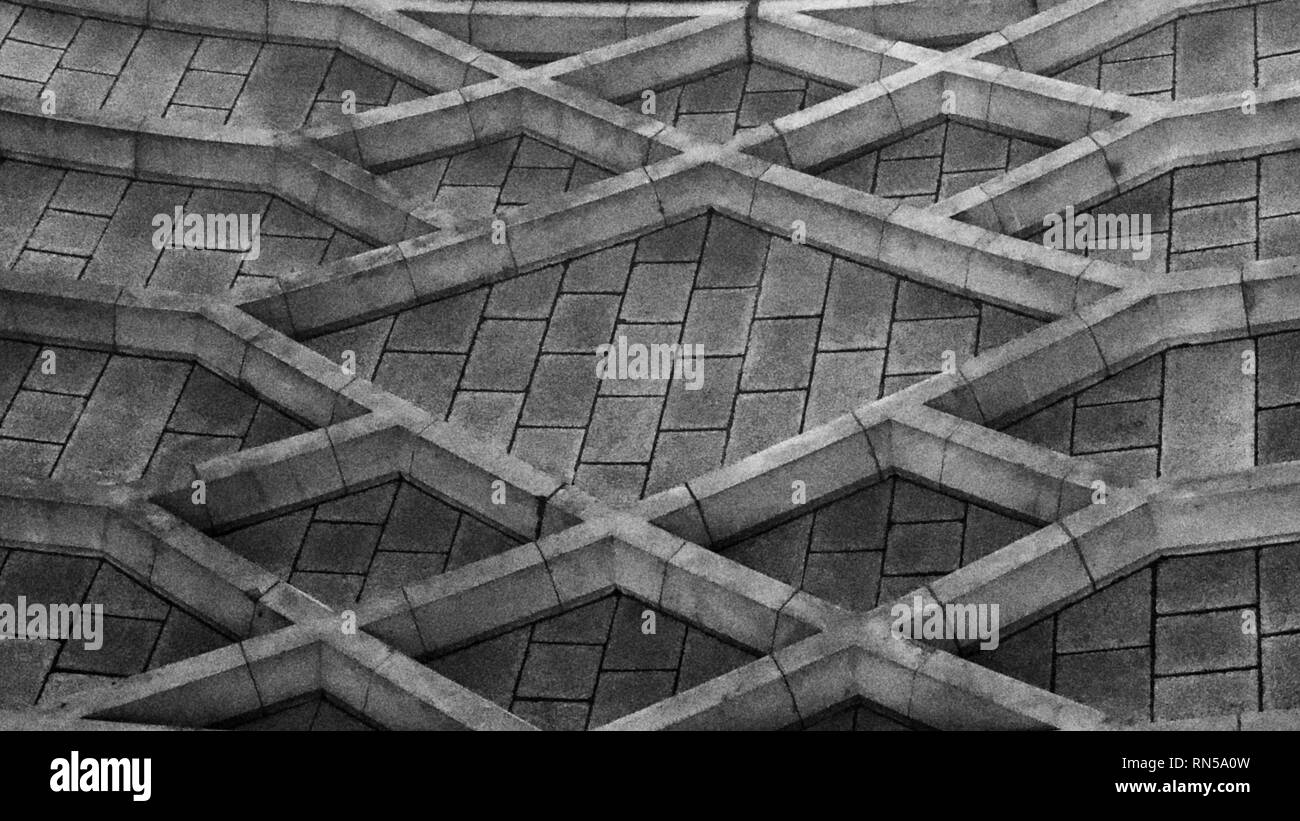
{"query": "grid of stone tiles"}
{"type": "Point", "coordinates": [877, 543]}
{"type": "Point", "coordinates": [724, 103]}
{"type": "Point", "coordinates": [81, 414]}
{"type": "Point", "coordinates": [1195, 402]}
{"type": "Point", "coordinates": [100, 228]}
{"type": "Point", "coordinates": [367, 542]}
{"type": "Point", "coordinates": [1216, 214]}
{"type": "Point", "coordinates": [1190, 636]}
{"type": "Point", "coordinates": [493, 177]}
{"type": "Point", "coordinates": [1230, 50]}
{"type": "Point", "coordinates": [591, 664]}
{"type": "Point", "coordinates": [791, 336]}
{"type": "Point", "coordinates": [91, 64]}
{"type": "Point", "coordinates": [141, 630]}
{"type": "Point", "coordinates": [315, 712]}
{"type": "Point", "coordinates": [935, 163]}
{"type": "Point", "coordinates": [860, 715]}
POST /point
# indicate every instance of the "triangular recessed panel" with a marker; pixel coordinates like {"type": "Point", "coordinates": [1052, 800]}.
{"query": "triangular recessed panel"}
{"type": "Point", "coordinates": [105, 228]}
{"type": "Point", "coordinates": [877, 544]}
{"type": "Point", "coordinates": [367, 542]}
{"type": "Point", "coordinates": [78, 413]}
{"type": "Point", "coordinates": [140, 629]}
{"type": "Point", "coordinates": [591, 664]}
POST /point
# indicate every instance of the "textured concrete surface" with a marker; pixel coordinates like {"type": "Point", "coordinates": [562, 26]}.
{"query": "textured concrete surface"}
{"type": "Point", "coordinates": [379, 458]}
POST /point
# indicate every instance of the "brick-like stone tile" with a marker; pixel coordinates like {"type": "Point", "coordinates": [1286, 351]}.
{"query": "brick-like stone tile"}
{"type": "Point", "coordinates": [1118, 682]}
{"type": "Point", "coordinates": [1117, 426]}
{"type": "Point", "coordinates": [1210, 581]}
{"type": "Point", "coordinates": [1281, 672]}
{"type": "Point", "coordinates": [622, 429]}
{"type": "Point", "coordinates": [27, 61]}
{"type": "Point", "coordinates": [1200, 642]}
{"type": "Point", "coordinates": [680, 456]}
{"type": "Point", "coordinates": [841, 382]}
{"type": "Point", "coordinates": [919, 346]}
{"type": "Point", "coordinates": [1208, 694]}
{"type": "Point", "coordinates": [1209, 410]}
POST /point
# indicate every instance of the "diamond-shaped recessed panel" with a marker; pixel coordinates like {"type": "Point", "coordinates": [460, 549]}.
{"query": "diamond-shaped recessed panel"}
{"type": "Point", "coordinates": [935, 163]}
{"type": "Point", "coordinates": [493, 177]}
{"type": "Point", "coordinates": [93, 64]}
{"type": "Point", "coordinates": [591, 664]}
{"type": "Point", "coordinates": [368, 542]}
{"type": "Point", "coordinates": [1201, 635]}
{"type": "Point", "coordinates": [1230, 50]}
{"type": "Point", "coordinates": [726, 102]}
{"type": "Point", "coordinates": [1193, 409]}
{"type": "Point", "coordinates": [141, 630]}
{"type": "Point", "coordinates": [877, 543]}
{"type": "Point", "coordinates": [1206, 215]}
{"type": "Point", "coordinates": [76, 413]}
{"type": "Point", "coordinates": [101, 228]}
{"type": "Point", "coordinates": [316, 712]}
{"type": "Point", "coordinates": [791, 337]}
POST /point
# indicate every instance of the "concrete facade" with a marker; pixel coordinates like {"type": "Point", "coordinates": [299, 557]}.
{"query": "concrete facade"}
{"type": "Point", "coordinates": [371, 477]}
